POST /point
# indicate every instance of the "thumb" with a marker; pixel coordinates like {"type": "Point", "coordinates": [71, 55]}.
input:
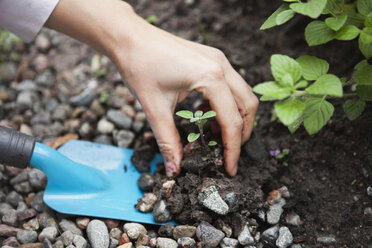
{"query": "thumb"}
{"type": "Point", "coordinates": [167, 137]}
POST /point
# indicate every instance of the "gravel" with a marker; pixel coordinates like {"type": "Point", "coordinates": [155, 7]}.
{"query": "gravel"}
{"type": "Point", "coordinates": [186, 242]}
{"type": "Point", "coordinates": [208, 234]}
{"type": "Point", "coordinates": [98, 234]}
{"type": "Point", "coordinates": [285, 238]}
{"type": "Point", "coordinates": [270, 235]}
{"type": "Point", "coordinates": [68, 225]}
{"type": "Point", "coordinates": [166, 243]}
{"type": "Point", "coordinates": [229, 243]}
{"type": "Point", "coordinates": [123, 138]}
{"type": "Point", "coordinates": [326, 240]}
{"type": "Point", "coordinates": [160, 212]}
{"type": "Point", "coordinates": [133, 230]}
{"type": "Point", "coordinates": [245, 237]}
{"type": "Point", "coordinates": [182, 231]}
{"type": "Point", "coordinates": [211, 199]}
{"type": "Point", "coordinates": [26, 236]}
{"type": "Point", "coordinates": [119, 119]}
{"type": "Point", "coordinates": [49, 233]}
{"type": "Point", "coordinates": [275, 211]}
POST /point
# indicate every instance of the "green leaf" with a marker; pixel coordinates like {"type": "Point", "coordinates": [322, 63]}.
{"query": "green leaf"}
{"type": "Point", "coordinates": [202, 123]}
{"type": "Point", "coordinates": [364, 6]}
{"type": "Point", "coordinates": [282, 65]}
{"type": "Point", "coordinates": [209, 114]}
{"type": "Point", "coordinates": [194, 119]}
{"type": "Point", "coordinates": [312, 8]}
{"type": "Point", "coordinates": [354, 108]}
{"type": "Point", "coordinates": [368, 20]}
{"type": "Point", "coordinates": [296, 124]}
{"type": "Point", "coordinates": [185, 114]}
{"type": "Point", "coordinates": [212, 143]}
{"type": "Point", "coordinates": [361, 64]}
{"type": "Point", "coordinates": [366, 49]}
{"type": "Point", "coordinates": [286, 80]}
{"type": "Point", "coordinates": [301, 84]}
{"type": "Point", "coordinates": [289, 110]}
{"type": "Point", "coordinates": [151, 19]}
{"type": "Point", "coordinates": [192, 137]}
{"type": "Point", "coordinates": [363, 76]}
{"type": "Point", "coordinates": [271, 21]}
{"type": "Point", "coordinates": [335, 23]}
{"type": "Point", "coordinates": [327, 84]}
{"type": "Point", "coordinates": [364, 92]}
{"type": "Point", "coordinates": [272, 90]}
{"type": "Point", "coordinates": [312, 67]}
{"type": "Point", "coordinates": [284, 16]}
{"type": "Point", "coordinates": [290, 1]}
{"type": "Point", "coordinates": [317, 33]}
{"type": "Point", "coordinates": [316, 114]}
{"type": "Point", "coordinates": [198, 114]}
{"type": "Point", "coordinates": [366, 35]}
{"type": "Point", "coordinates": [348, 32]}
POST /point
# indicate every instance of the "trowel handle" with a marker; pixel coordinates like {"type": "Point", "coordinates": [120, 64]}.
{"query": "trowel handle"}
{"type": "Point", "coordinates": [15, 148]}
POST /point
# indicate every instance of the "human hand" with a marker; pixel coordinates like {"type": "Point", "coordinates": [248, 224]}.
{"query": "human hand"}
{"type": "Point", "coordinates": [162, 69]}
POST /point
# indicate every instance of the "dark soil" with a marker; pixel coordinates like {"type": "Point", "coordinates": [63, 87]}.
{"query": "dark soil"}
{"type": "Point", "coordinates": [327, 173]}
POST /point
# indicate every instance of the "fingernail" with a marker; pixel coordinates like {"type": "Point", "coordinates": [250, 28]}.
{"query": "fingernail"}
{"type": "Point", "coordinates": [170, 168]}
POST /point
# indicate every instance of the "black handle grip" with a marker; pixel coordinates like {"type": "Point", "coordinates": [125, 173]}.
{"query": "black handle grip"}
{"type": "Point", "coordinates": [15, 148]}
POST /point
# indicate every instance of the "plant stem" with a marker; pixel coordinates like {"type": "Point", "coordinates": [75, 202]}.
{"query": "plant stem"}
{"type": "Point", "coordinates": [201, 133]}
{"type": "Point", "coordinates": [350, 94]}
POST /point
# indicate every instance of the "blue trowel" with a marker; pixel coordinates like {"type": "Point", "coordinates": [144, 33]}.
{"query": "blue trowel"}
{"type": "Point", "coordinates": [84, 178]}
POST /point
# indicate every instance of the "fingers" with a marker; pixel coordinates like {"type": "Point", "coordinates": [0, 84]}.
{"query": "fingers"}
{"type": "Point", "coordinates": [216, 90]}
{"type": "Point", "coordinates": [162, 123]}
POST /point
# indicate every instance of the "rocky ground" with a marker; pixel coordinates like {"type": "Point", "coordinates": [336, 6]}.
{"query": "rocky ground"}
{"type": "Point", "coordinates": [299, 191]}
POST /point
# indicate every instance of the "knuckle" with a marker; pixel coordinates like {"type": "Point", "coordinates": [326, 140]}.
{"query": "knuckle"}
{"type": "Point", "coordinates": [214, 72]}
{"type": "Point", "coordinates": [218, 55]}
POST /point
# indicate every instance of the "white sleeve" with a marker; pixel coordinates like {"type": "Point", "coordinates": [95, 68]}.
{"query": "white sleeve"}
{"type": "Point", "coordinates": [25, 18]}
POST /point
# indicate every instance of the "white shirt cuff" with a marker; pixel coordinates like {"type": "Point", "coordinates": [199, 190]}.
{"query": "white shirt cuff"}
{"type": "Point", "coordinates": [25, 18]}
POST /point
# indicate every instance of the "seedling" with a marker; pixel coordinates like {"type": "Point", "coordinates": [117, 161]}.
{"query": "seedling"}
{"type": "Point", "coordinates": [199, 119]}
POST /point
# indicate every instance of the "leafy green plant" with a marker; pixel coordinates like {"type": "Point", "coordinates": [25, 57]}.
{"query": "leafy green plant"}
{"type": "Point", "coordinates": [199, 119]}
{"type": "Point", "coordinates": [302, 87]}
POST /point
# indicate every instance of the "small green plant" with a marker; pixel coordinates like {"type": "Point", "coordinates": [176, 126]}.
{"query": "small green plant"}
{"type": "Point", "coordinates": [152, 19]}
{"type": "Point", "coordinates": [199, 119]}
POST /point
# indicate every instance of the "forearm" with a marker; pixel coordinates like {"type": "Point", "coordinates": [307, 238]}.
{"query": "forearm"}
{"type": "Point", "coordinates": [104, 25]}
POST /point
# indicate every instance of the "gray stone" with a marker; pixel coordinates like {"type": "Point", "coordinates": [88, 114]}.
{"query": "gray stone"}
{"type": "Point", "coordinates": [183, 231]}
{"type": "Point", "coordinates": [113, 243]}
{"type": "Point", "coordinates": [275, 211]}
{"type": "Point", "coordinates": [10, 218]}
{"type": "Point", "coordinates": [166, 243]}
{"type": "Point", "coordinates": [37, 179]}
{"type": "Point", "coordinates": [284, 192]}
{"type": "Point", "coordinates": [24, 187]}
{"type": "Point", "coordinates": [123, 138]}
{"type": "Point", "coordinates": [105, 127]}
{"type": "Point", "coordinates": [8, 72]}
{"type": "Point", "coordinates": [58, 244]}
{"type": "Point", "coordinates": [85, 129]}
{"type": "Point", "coordinates": [11, 241]}
{"type": "Point", "coordinates": [293, 219]}
{"type": "Point", "coordinates": [32, 225]}
{"type": "Point", "coordinates": [37, 202]}
{"type": "Point", "coordinates": [7, 231]}
{"type": "Point", "coordinates": [245, 237]}
{"type": "Point", "coordinates": [296, 246]}
{"type": "Point", "coordinates": [49, 233]}
{"type": "Point", "coordinates": [26, 85]}
{"type": "Point", "coordinates": [255, 148]}
{"type": "Point", "coordinates": [71, 246]}
{"type": "Point", "coordinates": [133, 230]}
{"type": "Point", "coordinates": [269, 236]}
{"type": "Point", "coordinates": [119, 119]}
{"type": "Point", "coordinates": [26, 236]}
{"type": "Point", "coordinates": [21, 207]}
{"type": "Point", "coordinates": [138, 126]}
{"type": "Point", "coordinates": [115, 233]}
{"type": "Point", "coordinates": [98, 234]}
{"type": "Point", "coordinates": [83, 99]}
{"type": "Point", "coordinates": [67, 237]}
{"type": "Point", "coordinates": [2, 196]}
{"type": "Point", "coordinates": [285, 238]}
{"type": "Point", "coordinates": [42, 42]}
{"type": "Point", "coordinates": [186, 242]}
{"type": "Point", "coordinates": [103, 139]}
{"type": "Point", "coordinates": [13, 198]}
{"type": "Point", "coordinates": [45, 78]}
{"type": "Point", "coordinates": [208, 234]}
{"type": "Point", "coordinates": [26, 100]}
{"type": "Point", "coordinates": [20, 177]}
{"type": "Point", "coordinates": [146, 182]}
{"type": "Point", "coordinates": [326, 240]}
{"type": "Point", "coordinates": [229, 243]}
{"type": "Point", "coordinates": [232, 200]}
{"type": "Point", "coordinates": [4, 208]}
{"type": "Point", "coordinates": [211, 199]}
{"type": "Point", "coordinates": [45, 220]}
{"type": "Point", "coordinates": [68, 225]}
{"type": "Point", "coordinates": [26, 129]}
{"type": "Point", "coordinates": [368, 211]}
{"type": "Point", "coordinates": [166, 230]}
{"type": "Point", "coordinates": [369, 191]}
{"type": "Point", "coordinates": [160, 212]}
{"type": "Point", "coordinates": [47, 243]}
{"type": "Point", "coordinates": [61, 112]}
{"type": "Point", "coordinates": [80, 242]}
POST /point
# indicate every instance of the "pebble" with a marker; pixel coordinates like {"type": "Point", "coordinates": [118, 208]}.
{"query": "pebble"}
{"type": "Point", "coordinates": [26, 214]}
{"type": "Point", "coordinates": [45, 78]}
{"type": "Point", "coordinates": [123, 138]}
{"type": "Point", "coordinates": [26, 85]}
{"type": "Point", "coordinates": [146, 203]}
{"type": "Point", "coordinates": [26, 236]}
{"type": "Point", "coordinates": [68, 225]}
{"type": "Point", "coordinates": [208, 234]}
{"type": "Point", "coordinates": [45, 220]}
{"type": "Point", "coordinates": [5, 208]}
{"type": "Point", "coordinates": [126, 245]}
{"type": "Point", "coordinates": [275, 211]}
{"type": "Point", "coordinates": [23, 187]}
{"type": "Point", "coordinates": [326, 240]}
{"type": "Point", "coordinates": [67, 237]}
{"type": "Point", "coordinates": [13, 198]}
{"type": "Point", "coordinates": [229, 243]}
{"type": "Point", "coordinates": [37, 202]}
{"type": "Point", "coordinates": [58, 244]}
{"type": "Point", "coordinates": [284, 192]}
{"type": "Point", "coordinates": [26, 100]}
{"type": "Point", "coordinates": [115, 233]}
{"type": "Point", "coordinates": [85, 129]}
{"type": "Point", "coordinates": [48, 233]}
{"type": "Point", "coordinates": [98, 234]}
{"type": "Point", "coordinates": [47, 243]}
{"type": "Point", "coordinates": [113, 243]}
{"type": "Point", "coordinates": [133, 230]}
{"type": "Point", "coordinates": [368, 211]}
{"type": "Point", "coordinates": [369, 191]}
{"type": "Point", "coordinates": [166, 243]}
{"type": "Point", "coordinates": [7, 231]}
{"type": "Point", "coordinates": [79, 241]}
{"type": "Point", "coordinates": [166, 230]}
{"type": "Point", "coordinates": [8, 72]}
{"type": "Point", "coordinates": [183, 231]}
{"type": "Point", "coordinates": [124, 239]}
{"type": "Point", "coordinates": [293, 219]}
{"type": "Point", "coordinates": [11, 241]}
{"type": "Point", "coordinates": [26, 129]}
{"type": "Point", "coordinates": [110, 223]}
{"type": "Point", "coordinates": [232, 200]}
{"type": "Point", "coordinates": [270, 235]}
{"type": "Point", "coordinates": [97, 107]}
{"type": "Point", "coordinates": [32, 225]}
{"type": "Point", "coordinates": [20, 177]}
{"type": "Point", "coordinates": [10, 218]}
{"type": "Point", "coordinates": [142, 240]}
{"type": "Point", "coordinates": [255, 148]}
{"type": "Point", "coordinates": [85, 98]}
{"type": "Point", "coordinates": [186, 242]}
{"type": "Point", "coordinates": [82, 222]}
{"type": "Point", "coordinates": [105, 127]}
{"type": "Point", "coordinates": [296, 246]}
{"type": "Point", "coordinates": [103, 139]}
{"type": "Point", "coordinates": [211, 199]}
{"type": "Point", "coordinates": [160, 212]}
{"type": "Point", "coordinates": [119, 119]}
{"type": "Point", "coordinates": [146, 182]}
{"type": "Point", "coordinates": [285, 238]}
{"type": "Point", "coordinates": [245, 237]}
{"type": "Point", "coordinates": [61, 112]}
{"type": "Point", "coordinates": [42, 42]}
